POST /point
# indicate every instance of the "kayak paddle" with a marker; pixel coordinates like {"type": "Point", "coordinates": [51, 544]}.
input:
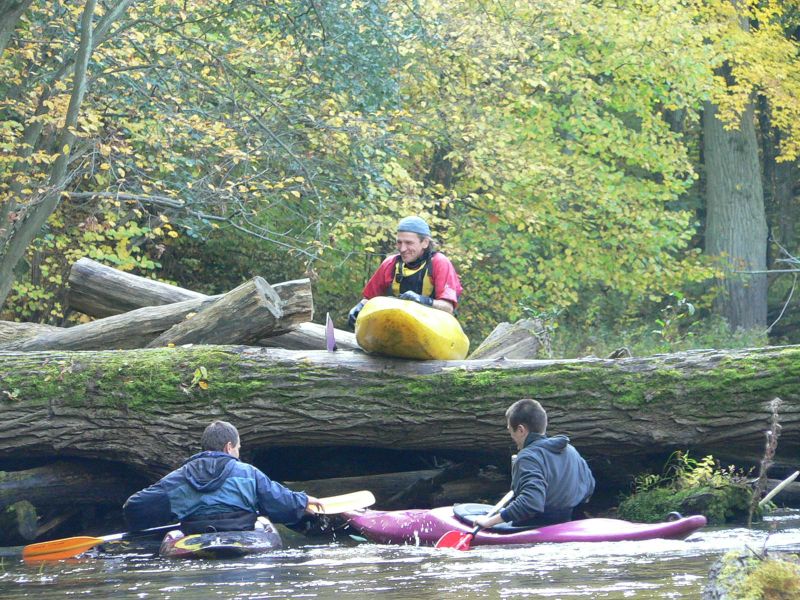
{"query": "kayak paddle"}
{"type": "Point", "coordinates": [69, 547]}
{"type": "Point", "coordinates": [330, 335]}
{"type": "Point", "coordinates": [460, 540]}
{"type": "Point", "coordinates": [333, 505]}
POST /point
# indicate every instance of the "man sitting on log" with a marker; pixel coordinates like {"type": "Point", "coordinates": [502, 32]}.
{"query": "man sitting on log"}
{"type": "Point", "coordinates": [215, 491]}
{"type": "Point", "coordinates": [549, 477]}
{"type": "Point", "coordinates": [417, 272]}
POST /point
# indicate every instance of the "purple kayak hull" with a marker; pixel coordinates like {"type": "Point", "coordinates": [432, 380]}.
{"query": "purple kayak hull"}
{"type": "Point", "coordinates": [425, 527]}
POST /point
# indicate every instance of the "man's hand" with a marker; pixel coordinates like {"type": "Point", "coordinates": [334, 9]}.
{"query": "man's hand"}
{"type": "Point", "coordinates": [415, 297]}
{"type": "Point", "coordinates": [314, 506]}
{"type": "Point", "coordinates": [353, 315]}
{"type": "Point", "coordinates": [485, 522]}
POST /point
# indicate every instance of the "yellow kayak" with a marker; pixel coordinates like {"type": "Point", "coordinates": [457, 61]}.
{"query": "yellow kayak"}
{"type": "Point", "coordinates": [403, 328]}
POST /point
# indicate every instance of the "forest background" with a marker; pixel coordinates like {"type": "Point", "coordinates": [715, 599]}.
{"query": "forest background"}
{"type": "Point", "coordinates": [626, 171]}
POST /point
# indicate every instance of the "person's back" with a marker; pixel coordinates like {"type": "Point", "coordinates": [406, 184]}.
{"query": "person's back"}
{"type": "Point", "coordinates": [214, 491]}
{"type": "Point", "coordinates": [551, 478]}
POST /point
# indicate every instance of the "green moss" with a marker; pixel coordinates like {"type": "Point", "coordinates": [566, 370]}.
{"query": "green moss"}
{"type": "Point", "coordinates": [136, 379]}
{"type": "Point", "coordinates": [768, 577]}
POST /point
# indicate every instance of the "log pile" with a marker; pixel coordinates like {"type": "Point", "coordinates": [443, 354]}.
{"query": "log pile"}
{"type": "Point", "coordinates": [137, 312]}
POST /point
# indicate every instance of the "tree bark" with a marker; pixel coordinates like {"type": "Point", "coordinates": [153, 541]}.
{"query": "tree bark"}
{"type": "Point", "coordinates": [241, 316]}
{"type": "Point", "coordinates": [11, 331]}
{"type": "Point", "coordinates": [18, 523]}
{"type": "Point", "coordinates": [309, 336]}
{"type": "Point", "coordinates": [101, 291]}
{"type": "Point", "coordinates": [65, 484]}
{"type": "Point", "coordinates": [143, 407]}
{"type": "Point", "coordinates": [10, 12]}
{"type": "Point", "coordinates": [522, 339]}
{"type": "Point", "coordinates": [736, 226]}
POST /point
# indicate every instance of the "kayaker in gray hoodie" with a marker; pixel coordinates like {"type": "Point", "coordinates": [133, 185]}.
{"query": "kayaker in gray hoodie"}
{"type": "Point", "coordinates": [549, 477]}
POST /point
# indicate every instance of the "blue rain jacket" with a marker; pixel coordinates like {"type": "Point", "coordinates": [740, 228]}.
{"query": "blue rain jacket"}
{"type": "Point", "coordinates": [212, 483]}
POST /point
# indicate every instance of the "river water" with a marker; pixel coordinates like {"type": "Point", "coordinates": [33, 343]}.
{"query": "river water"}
{"type": "Point", "coordinates": [346, 569]}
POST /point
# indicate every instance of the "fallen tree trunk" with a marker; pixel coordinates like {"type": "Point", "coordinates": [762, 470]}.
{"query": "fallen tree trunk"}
{"type": "Point", "coordinates": [241, 316]}
{"type": "Point", "coordinates": [11, 331]}
{"type": "Point", "coordinates": [144, 408]}
{"type": "Point", "coordinates": [309, 336]}
{"type": "Point", "coordinates": [522, 339]}
{"type": "Point", "coordinates": [101, 291]}
{"type": "Point", "coordinates": [137, 328]}
{"type": "Point", "coordinates": [65, 484]}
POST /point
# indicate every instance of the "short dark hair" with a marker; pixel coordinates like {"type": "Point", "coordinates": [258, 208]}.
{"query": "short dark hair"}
{"type": "Point", "coordinates": [529, 413]}
{"type": "Point", "coordinates": [217, 435]}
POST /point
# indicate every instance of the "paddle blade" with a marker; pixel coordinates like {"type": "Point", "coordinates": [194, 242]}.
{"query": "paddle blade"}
{"type": "Point", "coordinates": [333, 505]}
{"type": "Point", "coordinates": [59, 549]}
{"type": "Point", "coordinates": [330, 335]}
{"type": "Point", "coordinates": [455, 539]}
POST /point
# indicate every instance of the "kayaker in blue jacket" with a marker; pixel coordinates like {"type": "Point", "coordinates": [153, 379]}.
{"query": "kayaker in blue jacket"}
{"type": "Point", "coordinates": [549, 477]}
{"type": "Point", "coordinates": [214, 491]}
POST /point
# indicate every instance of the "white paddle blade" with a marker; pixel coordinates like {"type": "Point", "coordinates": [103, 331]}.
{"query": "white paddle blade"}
{"type": "Point", "coordinates": [334, 505]}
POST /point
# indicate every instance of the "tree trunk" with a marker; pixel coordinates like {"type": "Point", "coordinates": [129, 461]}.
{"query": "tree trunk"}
{"type": "Point", "coordinates": [241, 316]}
{"type": "Point", "coordinates": [309, 336]}
{"type": "Point", "coordinates": [11, 331]}
{"type": "Point", "coordinates": [10, 12]}
{"type": "Point", "coordinates": [736, 228]}
{"type": "Point", "coordinates": [36, 213]}
{"type": "Point", "coordinates": [522, 339]}
{"type": "Point", "coordinates": [64, 484]}
{"type": "Point", "coordinates": [145, 409]}
{"type": "Point", "coordinates": [101, 291]}
{"type": "Point", "coordinates": [138, 328]}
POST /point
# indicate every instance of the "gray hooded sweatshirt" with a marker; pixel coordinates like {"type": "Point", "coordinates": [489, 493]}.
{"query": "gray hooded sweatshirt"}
{"type": "Point", "coordinates": [549, 479]}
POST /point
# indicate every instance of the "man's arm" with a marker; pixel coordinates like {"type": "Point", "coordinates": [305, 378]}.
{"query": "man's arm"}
{"type": "Point", "coordinates": [278, 502]}
{"type": "Point", "coordinates": [445, 282]}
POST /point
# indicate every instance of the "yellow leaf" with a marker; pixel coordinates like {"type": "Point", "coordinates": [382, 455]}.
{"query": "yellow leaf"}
{"type": "Point", "coordinates": [172, 234]}
{"type": "Point", "coordinates": [203, 385]}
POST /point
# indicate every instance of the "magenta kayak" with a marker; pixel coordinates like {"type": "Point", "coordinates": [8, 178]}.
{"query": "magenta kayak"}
{"type": "Point", "coordinates": [425, 527]}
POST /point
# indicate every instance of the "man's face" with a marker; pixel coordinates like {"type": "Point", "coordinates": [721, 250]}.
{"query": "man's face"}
{"type": "Point", "coordinates": [410, 246]}
{"type": "Point", "coordinates": [518, 434]}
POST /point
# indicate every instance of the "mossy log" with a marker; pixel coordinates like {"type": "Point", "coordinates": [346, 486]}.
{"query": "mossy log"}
{"type": "Point", "coordinates": [145, 408]}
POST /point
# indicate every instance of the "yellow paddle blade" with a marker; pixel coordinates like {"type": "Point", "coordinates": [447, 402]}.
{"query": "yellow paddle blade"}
{"type": "Point", "coordinates": [59, 549]}
{"type": "Point", "coordinates": [334, 505]}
